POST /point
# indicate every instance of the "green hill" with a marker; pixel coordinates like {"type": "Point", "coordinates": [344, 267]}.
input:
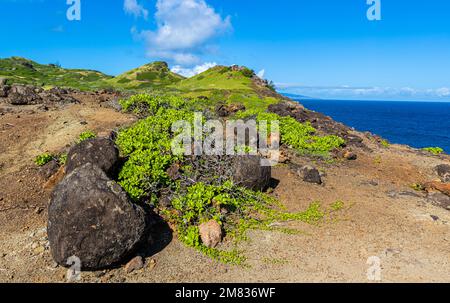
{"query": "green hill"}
{"type": "Point", "coordinates": [24, 71]}
{"type": "Point", "coordinates": [152, 75]}
{"type": "Point", "coordinates": [234, 84]}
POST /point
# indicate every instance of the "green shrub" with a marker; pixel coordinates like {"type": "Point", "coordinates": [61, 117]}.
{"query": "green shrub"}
{"type": "Point", "coordinates": [246, 72]}
{"type": "Point", "coordinates": [385, 143]}
{"type": "Point", "coordinates": [146, 104]}
{"type": "Point", "coordinates": [434, 150]}
{"type": "Point", "coordinates": [86, 136]}
{"type": "Point", "coordinates": [43, 159]}
{"type": "Point", "coordinates": [299, 136]}
{"type": "Point", "coordinates": [62, 159]}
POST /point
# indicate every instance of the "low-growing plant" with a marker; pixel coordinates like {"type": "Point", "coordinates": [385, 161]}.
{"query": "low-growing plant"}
{"type": "Point", "coordinates": [434, 150]}
{"type": "Point", "coordinates": [299, 136]}
{"type": "Point", "coordinates": [385, 143]}
{"type": "Point", "coordinates": [337, 205]}
{"type": "Point", "coordinates": [62, 158]}
{"type": "Point", "coordinates": [43, 159]}
{"type": "Point", "coordinates": [417, 187]}
{"type": "Point", "coordinates": [149, 104]}
{"type": "Point", "coordinates": [236, 208]}
{"type": "Point", "coordinates": [86, 136]}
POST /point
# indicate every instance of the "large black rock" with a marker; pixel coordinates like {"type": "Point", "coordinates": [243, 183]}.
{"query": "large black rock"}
{"type": "Point", "coordinates": [90, 217]}
{"type": "Point", "coordinates": [248, 172]}
{"type": "Point", "coordinates": [99, 151]}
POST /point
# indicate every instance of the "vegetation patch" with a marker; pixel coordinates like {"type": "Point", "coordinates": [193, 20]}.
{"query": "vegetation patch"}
{"type": "Point", "coordinates": [86, 136]}
{"type": "Point", "coordinates": [434, 150]}
{"type": "Point", "coordinates": [43, 159]}
{"type": "Point", "coordinates": [203, 191]}
{"type": "Point", "coordinates": [299, 136]}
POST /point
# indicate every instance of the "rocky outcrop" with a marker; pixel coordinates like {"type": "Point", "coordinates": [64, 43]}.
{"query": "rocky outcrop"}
{"type": "Point", "coordinates": [90, 217]}
{"type": "Point", "coordinates": [31, 95]}
{"type": "Point", "coordinates": [99, 151]}
{"type": "Point", "coordinates": [248, 172]}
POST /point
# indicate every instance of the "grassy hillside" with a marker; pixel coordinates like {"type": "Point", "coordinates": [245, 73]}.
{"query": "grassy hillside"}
{"type": "Point", "coordinates": [229, 85]}
{"type": "Point", "coordinates": [152, 75]}
{"type": "Point", "coordinates": [218, 85]}
{"type": "Point", "coordinates": [24, 71]}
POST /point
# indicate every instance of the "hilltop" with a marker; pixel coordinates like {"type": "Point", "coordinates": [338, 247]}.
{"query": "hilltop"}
{"type": "Point", "coordinates": [23, 71]}
{"type": "Point", "coordinates": [152, 75]}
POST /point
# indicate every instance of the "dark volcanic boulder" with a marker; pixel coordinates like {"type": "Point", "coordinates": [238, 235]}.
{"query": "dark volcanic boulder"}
{"type": "Point", "coordinates": [99, 151]}
{"type": "Point", "coordinates": [90, 217]}
{"type": "Point", "coordinates": [4, 89]}
{"type": "Point", "coordinates": [310, 174]}
{"type": "Point", "coordinates": [248, 172]}
{"type": "Point", "coordinates": [443, 171]}
{"type": "Point", "coordinates": [23, 95]}
{"type": "Point", "coordinates": [228, 110]}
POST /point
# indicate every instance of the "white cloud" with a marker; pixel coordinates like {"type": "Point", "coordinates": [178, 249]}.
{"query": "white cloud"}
{"type": "Point", "coordinates": [366, 92]}
{"type": "Point", "coordinates": [183, 28]}
{"type": "Point", "coordinates": [190, 72]}
{"type": "Point", "coordinates": [443, 92]}
{"type": "Point", "coordinates": [134, 8]}
{"type": "Point", "coordinates": [261, 73]}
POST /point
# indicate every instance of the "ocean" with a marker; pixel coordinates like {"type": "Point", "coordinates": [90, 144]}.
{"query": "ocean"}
{"type": "Point", "coordinates": [418, 124]}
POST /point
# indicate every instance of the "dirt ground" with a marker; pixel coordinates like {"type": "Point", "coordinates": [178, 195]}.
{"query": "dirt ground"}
{"type": "Point", "coordinates": [382, 216]}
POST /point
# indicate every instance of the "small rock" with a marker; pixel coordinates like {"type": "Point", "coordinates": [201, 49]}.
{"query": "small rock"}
{"type": "Point", "coordinates": [435, 218]}
{"type": "Point", "coordinates": [39, 250]}
{"type": "Point", "coordinates": [135, 264]}
{"type": "Point", "coordinates": [210, 233]}
{"type": "Point", "coordinates": [38, 210]}
{"type": "Point", "coordinates": [443, 171]}
{"type": "Point", "coordinates": [227, 110]}
{"type": "Point", "coordinates": [310, 174]}
{"type": "Point", "coordinates": [151, 264]}
{"type": "Point", "coordinates": [351, 156]}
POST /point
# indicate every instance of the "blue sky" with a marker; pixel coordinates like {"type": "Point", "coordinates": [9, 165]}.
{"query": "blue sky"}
{"type": "Point", "coordinates": [320, 48]}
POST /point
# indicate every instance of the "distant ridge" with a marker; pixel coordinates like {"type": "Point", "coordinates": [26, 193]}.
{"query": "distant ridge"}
{"type": "Point", "coordinates": [219, 85]}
